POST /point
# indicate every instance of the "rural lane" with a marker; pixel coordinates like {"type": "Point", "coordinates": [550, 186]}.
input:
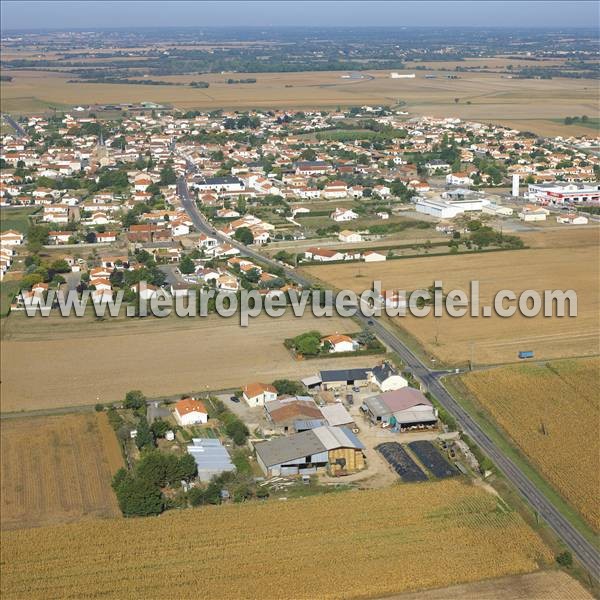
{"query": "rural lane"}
{"type": "Point", "coordinates": [586, 552]}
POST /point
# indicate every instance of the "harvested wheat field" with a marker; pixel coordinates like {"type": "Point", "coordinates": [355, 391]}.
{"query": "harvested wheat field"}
{"type": "Point", "coordinates": [552, 412]}
{"type": "Point", "coordinates": [57, 469]}
{"type": "Point", "coordinates": [83, 361]}
{"type": "Point", "coordinates": [543, 585]}
{"type": "Point", "coordinates": [560, 261]}
{"type": "Point", "coordinates": [342, 545]}
{"type": "Point", "coordinates": [482, 96]}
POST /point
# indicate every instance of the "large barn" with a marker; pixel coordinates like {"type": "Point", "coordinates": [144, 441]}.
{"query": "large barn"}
{"type": "Point", "coordinates": [333, 449]}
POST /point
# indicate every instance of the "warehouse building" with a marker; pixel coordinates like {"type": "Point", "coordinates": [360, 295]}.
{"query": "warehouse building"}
{"type": "Point", "coordinates": [333, 449]}
{"type": "Point", "coordinates": [406, 407]}
{"type": "Point", "coordinates": [340, 378]}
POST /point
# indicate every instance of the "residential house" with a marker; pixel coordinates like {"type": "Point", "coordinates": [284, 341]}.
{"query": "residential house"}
{"type": "Point", "coordinates": [343, 214]}
{"type": "Point", "coordinates": [190, 412]}
{"type": "Point", "coordinates": [323, 254]}
{"type": "Point", "coordinates": [386, 377]}
{"type": "Point", "coordinates": [349, 236]}
{"type": "Point", "coordinates": [339, 343]}
{"type": "Point", "coordinates": [256, 393]}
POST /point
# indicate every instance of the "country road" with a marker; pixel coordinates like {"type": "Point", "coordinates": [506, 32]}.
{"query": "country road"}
{"type": "Point", "coordinates": [586, 552]}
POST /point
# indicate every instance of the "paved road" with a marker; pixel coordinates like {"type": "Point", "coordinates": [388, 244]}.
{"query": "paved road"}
{"type": "Point", "coordinates": [585, 552]}
{"type": "Point", "coordinates": [18, 129]}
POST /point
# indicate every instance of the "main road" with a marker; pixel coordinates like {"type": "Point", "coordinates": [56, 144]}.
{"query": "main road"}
{"type": "Point", "coordinates": [18, 129]}
{"type": "Point", "coordinates": [586, 552]}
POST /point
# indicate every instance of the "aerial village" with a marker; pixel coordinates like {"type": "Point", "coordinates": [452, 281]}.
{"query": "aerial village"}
{"type": "Point", "coordinates": [109, 208]}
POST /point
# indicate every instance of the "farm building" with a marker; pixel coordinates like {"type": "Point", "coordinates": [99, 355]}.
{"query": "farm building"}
{"type": "Point", "coordinates": [335, 449]}
{"type": "Point", "coordinates": [374, 256]}
{"type": "Point", "coordinates": [306, 424]}
{"type": "Point", "coordinates": [211, 457]}
{"type": "Point", "coordinates": [336, 415]}
{"type": "Point", "coordinates": [405, 407]}
{"type": "Point", "coordinates": [387, 378]}
{"type": "Point", "coordinates": [533, 213]}
{"type": "Point", "coordinates": [497, 210]}
{"type": "Point", "coordinates": [256, 394]}
{"type": "Point", "coordinates": [339, 378]}
{"type": "Point", "coordinates": [284, 412]}
{"type": "Point", "coordinates": [572, 219]}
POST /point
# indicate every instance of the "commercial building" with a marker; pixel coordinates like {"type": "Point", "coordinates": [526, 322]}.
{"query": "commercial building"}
{"type": "Point", "coordinates": [564, 193]}
{"type": "Point", "coordinates": [448, 209]}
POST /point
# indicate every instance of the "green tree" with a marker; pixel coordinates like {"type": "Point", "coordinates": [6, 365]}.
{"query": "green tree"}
{"type": "Point", "coordinates": [244, 235]}
{"type": "Point", "coordinates": [159, 428]}
{"type": "Point", "coordinates": [565, 559]}
{"type": "Point", "coordinates": [288, 387]}
{"type": "Point", "coordinates": [186, 265]}
{"type": "Point", "coordinates": [144, 437]}
{"type": "Point", "coordinates": [308, 343]}
{"type": "Point", "coordinates": [134, 399]}
{"type": "Point", "coordinates": [136, 497]}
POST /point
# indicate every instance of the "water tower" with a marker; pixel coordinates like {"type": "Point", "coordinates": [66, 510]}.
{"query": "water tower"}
{"type": "Point", "coordinates": [515, 186]}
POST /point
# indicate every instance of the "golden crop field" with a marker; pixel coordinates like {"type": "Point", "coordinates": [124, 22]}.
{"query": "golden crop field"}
{"type": "Point", "coordinates": [558, 259]}
{"type": "Point", "coordinates": [524, 103]}
{"type": "Point", "coordinates": [552, 412]}
{"type": "Point", "coordinates": [57, 469]}
{"type": "Point", "coordinates": [344, 545]}
{"type": "Point", "coordinates": [542, 585]}
{"type": "Point", "coordinates": [101, 361]}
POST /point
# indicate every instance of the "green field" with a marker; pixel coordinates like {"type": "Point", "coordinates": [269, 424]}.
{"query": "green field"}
{"type": "Point", "coordinates": [16, 218]}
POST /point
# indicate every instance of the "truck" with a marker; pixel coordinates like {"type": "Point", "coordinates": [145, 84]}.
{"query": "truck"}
{"type": "Point", "coordinates": [525, 353]}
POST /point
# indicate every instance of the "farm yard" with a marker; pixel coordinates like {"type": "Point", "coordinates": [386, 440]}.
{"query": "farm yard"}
{"type": "Point", "coordinates": [510, 101]}
{"type": "Point", "coordinates": [556, 260]}
{"type": "Point", "coordinates": [57, 469]}
{"type": "Point", "coordinates": [553, 415]}
{"type": "Point", "coordinates": [103, 360]}
{"type": "Point", "coordinates": [389, 543]}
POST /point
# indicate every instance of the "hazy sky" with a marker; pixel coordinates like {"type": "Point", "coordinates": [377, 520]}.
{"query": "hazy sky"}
{"type": "Point", "coordinates": [49, 14]}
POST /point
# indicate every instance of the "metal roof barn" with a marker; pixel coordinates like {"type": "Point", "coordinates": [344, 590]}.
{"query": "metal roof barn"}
{"type": "Point", "coordinates": [211, 457]}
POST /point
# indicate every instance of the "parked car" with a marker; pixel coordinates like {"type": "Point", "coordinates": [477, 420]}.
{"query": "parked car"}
{"type": "Point", "coordinates": [234, 399]}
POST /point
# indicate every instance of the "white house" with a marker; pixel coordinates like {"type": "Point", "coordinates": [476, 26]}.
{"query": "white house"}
{"type": "Point", "coordinates": [387, 378]}
{"type": "Point", "coordinates": [339, 343]}
{"type": "Point", "coordinates": [458, 179]}
{"type": "Point", "coordinates": [11, 238]}
{"type": "Point", "coordinates": [343, 214]}
{"type": "Point", "coordinates": [323, 254]}
{"type": "Point", "coordinates": [256, 394]}
{"type": "Point", "coordinates": [190, 412]}
{"type": "Point", "coordinates": [349, 236]}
